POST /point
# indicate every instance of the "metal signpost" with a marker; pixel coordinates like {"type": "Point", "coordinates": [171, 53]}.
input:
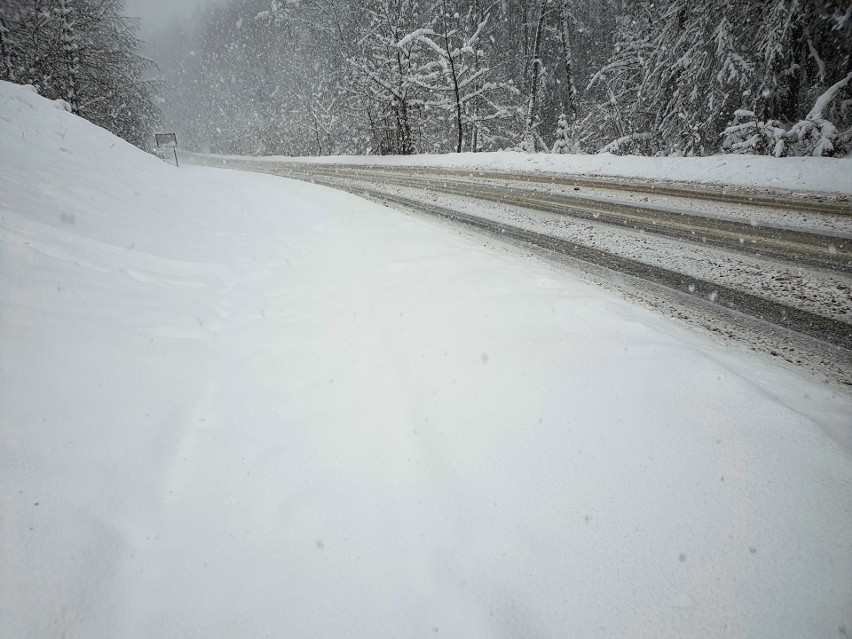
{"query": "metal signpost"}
{"type": "Point", "coordinates": [167, 141]}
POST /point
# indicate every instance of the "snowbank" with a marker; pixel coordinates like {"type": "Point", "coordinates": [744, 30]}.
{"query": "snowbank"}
{"type": "Point", "coordinates": [760, 172]}
{"type": "Point", "coordinates": [236, 405]}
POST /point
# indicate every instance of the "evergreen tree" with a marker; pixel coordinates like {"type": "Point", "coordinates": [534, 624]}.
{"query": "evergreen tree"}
{"type": "Point", "coordinates": [71, 59]}
{"type": "Point", "coordinates": [563, 142]}
{"type": "Point", "coordinates": [7, 69]}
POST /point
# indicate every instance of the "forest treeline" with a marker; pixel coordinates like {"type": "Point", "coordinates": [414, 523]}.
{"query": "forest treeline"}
{"type": "Point", "coordinates": [411, 76]}
{"type": "Point", "coordinates": [314, 77]}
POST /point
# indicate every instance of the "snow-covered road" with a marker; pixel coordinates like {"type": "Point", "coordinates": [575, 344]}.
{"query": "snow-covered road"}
{"type": "Point", "coordinates": [237, 405]}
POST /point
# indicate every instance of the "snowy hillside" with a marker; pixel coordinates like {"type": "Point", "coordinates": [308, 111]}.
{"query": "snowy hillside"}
{"type": "Point", "coordinates": [234, 405]}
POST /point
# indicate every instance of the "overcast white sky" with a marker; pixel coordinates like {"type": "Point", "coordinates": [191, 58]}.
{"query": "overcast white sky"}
{"type": "Point", "coordinates": [157, 14]}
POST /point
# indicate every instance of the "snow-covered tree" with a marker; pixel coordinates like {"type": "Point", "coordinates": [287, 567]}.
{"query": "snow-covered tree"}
{"type": "Point", "coordinates": [570, 92]}
{"type": "Point", "coordinates": [30, 39]}
{"type": "Point", "coordinates": [695, 75]}
{"type": "Point", "coordinates": [71, 58]}
{"type": "Point", "coordinates": [819, 135]}
{"type": "Point", "coordinates": [7, 69]}
{"type": "Point", "coordinates": [403, 76]}
{"type": "Point", "coordinates": [814, 135]}
{"type": "Point", "coordinates": [676, 82]}
{"type": "Point", "coordinates": [621, 118]}
{"type": "Point", "coordinates": [390, 67]}
{"type": "Point", "coordinates": [87, 53]}
{"type": "Point", "coordinates": [563, 142]}
{"type": "Point", "coordinates": [532, 138]}
{"type": "Point", "coordinates": [454, 76]}
{"type": "Point", "coordinates": [803, 59]}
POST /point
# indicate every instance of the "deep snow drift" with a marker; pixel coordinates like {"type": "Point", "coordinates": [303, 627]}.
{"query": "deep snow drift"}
{"type": "Point", "coordinates": [236, 405]}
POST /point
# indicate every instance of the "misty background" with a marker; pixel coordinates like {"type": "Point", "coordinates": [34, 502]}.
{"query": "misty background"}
{"type": "Point", "coordinates": [155, 16]}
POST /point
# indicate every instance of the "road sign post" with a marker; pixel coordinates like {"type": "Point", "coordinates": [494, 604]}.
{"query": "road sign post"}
{"type": "Point", "coordinates": [167, 141]}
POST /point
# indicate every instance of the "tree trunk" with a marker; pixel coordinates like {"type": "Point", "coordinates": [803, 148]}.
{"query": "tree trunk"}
{"type": "Point", "coordinates": [455, 78]}
{"type": "Point", "coordinates": [534, 80]}
{"type": "Point", "coordinates": [69, 52]}
{"type": "Point", "coordinates": [570, 88]}
{"type": "Point", "coordinates": [474, 104]}
{"type": "Point", "coordinates": [403, 127]}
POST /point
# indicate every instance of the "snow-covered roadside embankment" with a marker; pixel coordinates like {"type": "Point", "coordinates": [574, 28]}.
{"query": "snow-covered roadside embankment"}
{"type": "Point", "coordinates": [752, 172]}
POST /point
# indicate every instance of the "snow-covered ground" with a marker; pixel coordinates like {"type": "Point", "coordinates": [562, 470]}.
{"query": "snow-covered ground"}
{"type": "Point", "coordinates": [830, 175]}
{"type": "Point", "coordinates": [237, 405]}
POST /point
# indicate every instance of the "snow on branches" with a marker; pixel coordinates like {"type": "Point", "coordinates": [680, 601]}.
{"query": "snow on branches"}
{"type": "Point", "coordinates": [814, 135]}
{"type": "Point", "coordinates": [659, 77]}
